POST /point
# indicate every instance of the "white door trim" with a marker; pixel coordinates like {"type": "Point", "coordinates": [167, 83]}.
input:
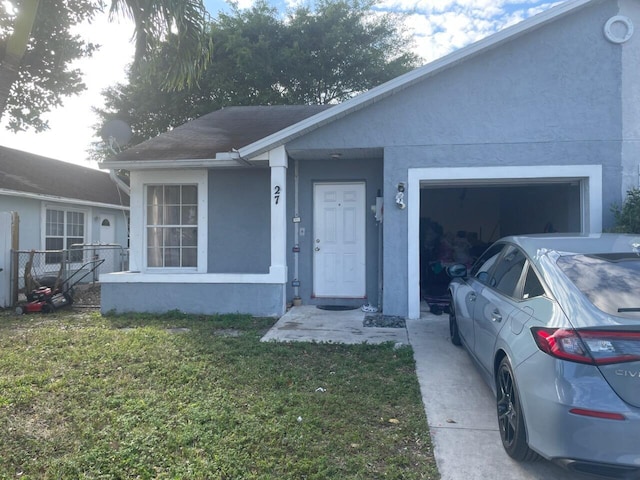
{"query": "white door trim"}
{"type": "Point", "coordinates": [590, 177]}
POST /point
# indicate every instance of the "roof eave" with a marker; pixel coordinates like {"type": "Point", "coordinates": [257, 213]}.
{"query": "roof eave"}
{"type": "Point", "coordinates": [58, 199]}
{"type": "Point", "coordinates": [375, 94]}
{"type": "Point", "coordinates": [221, 160]}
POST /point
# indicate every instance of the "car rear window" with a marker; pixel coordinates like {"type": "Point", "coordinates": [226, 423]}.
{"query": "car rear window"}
{"type": "Point", "coordinates": [610, 281]}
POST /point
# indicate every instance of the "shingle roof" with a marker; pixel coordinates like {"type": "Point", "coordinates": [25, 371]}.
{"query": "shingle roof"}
{"type": "Point", "coordinates": [25, 172]}
{"type": "Point", "coordinates": [221, 131]}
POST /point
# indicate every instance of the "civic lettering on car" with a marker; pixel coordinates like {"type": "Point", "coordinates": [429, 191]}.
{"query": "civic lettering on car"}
{"type": "Point", "coordinates": [628, 373]}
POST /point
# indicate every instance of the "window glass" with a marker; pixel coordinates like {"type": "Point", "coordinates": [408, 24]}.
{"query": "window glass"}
{"type": "Point", "coordinates": [508, 270]}
{"type": "Point", "coordinates": [189, 195]}
{"type": "Point", "coordinates": [64, 228]}
{"type": "Point", "coordinates": [172, 215]}
{"type": "Point", "coordinates": [610, 281]}
{"type": "Point", "coordinates": [172, 231]}
{"type": "Point", "coordinates": [189, 257]}
{"type": "Point", "coordinates": [532, 285]}
{"type": "Point", "coordinates": [482, 266]}
{"type": "Point", "coordinates": [55, 223]}
{"type": "Point", "coordinates": [189, 215]}
{"type": "Point", "coordinates": [172, 195]}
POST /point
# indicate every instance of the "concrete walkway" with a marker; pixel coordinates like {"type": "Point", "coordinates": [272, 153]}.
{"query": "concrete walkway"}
{"type": "Point", "coordinates": [310, 324]}
{"type": "Point", "coordinates": [460, 407]}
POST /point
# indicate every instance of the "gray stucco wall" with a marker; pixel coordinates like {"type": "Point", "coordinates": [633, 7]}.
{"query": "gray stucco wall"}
{"type": "Point", "coordinates": [550, 97]}
{"type": "Point", "coordinates": [239, 221]}
{"type": "Point", "coordinates": [343, 170]}
{"type": "Point", "coordinates": [264, 300]}
{"type": "Point", "coordinates": [631, 103]}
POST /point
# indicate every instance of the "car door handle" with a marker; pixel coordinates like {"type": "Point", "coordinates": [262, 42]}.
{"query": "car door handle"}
{"type": "Point", "coordinates": [496, 316]}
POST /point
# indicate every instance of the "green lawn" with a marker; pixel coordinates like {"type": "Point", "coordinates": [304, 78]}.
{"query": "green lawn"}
{"type": "Point", "coordinates": [187, 397]}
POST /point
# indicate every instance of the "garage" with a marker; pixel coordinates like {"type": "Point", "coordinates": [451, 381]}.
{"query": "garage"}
{"type": "Point", "coordinates": [458, 222]}
{"type": "Point", "coordinates": [454, 213]}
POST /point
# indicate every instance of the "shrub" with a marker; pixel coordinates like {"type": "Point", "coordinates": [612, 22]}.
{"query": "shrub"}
{"type": "Point", "coordinates": [627, 216]}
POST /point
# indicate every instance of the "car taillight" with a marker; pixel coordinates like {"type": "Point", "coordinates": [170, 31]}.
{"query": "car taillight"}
{"type": "Point", "coordinates": [595, 347]}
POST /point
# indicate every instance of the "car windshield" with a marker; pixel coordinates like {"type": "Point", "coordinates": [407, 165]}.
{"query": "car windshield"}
{"type": "Point", "coordinates": [610, 281]}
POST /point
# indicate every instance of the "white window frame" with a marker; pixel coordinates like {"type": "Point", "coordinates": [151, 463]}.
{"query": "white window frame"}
{"type": "Point", "coordinates": [66, 209]}
{"type": "Point", "coordinates": [174, 229]}
{"type": "Point", "coordinates": [139, 182]}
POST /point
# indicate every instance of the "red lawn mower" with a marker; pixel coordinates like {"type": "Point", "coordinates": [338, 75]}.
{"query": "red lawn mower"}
{"type": "Point", "coordinates": [48, 298]}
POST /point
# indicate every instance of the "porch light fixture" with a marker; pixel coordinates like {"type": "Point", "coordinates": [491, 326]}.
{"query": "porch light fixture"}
{"type": "Point", "coordinates": [400, 197]}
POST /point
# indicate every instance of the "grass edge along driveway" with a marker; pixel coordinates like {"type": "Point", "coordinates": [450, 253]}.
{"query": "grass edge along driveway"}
{"type": "Point", "coordinates": [182, 396]}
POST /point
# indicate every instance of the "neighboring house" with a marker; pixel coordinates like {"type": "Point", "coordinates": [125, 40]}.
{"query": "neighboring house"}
{"type": "Point", "coordinates": [59, 204]}
{"type": "Point", "coordinates": [533, 129]}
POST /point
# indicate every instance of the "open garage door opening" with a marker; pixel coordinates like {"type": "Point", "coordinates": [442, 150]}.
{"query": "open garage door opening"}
{"type": "Point", "coordinates": [458, 222]}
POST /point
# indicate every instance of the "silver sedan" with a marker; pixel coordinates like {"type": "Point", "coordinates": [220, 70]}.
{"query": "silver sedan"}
{"type": "Point", "coordinates": [553, 324]}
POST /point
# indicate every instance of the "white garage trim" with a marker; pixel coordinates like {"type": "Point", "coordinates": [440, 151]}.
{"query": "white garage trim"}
{"type": "Point", "coordinates": [590, 177]}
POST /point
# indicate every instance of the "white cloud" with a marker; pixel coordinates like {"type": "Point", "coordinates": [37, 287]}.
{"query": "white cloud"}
{"type": "Point", "coordinates": [71, 130]}
{"type": "Point", "coordinates": [442, 26]}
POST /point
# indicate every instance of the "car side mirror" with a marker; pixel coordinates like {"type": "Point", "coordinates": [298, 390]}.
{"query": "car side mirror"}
{"type": "Point", "coordinates": [457, 270]}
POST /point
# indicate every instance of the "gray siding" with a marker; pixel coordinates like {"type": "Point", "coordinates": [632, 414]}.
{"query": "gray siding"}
{"type": "Point", "coordinates": [239, 221]}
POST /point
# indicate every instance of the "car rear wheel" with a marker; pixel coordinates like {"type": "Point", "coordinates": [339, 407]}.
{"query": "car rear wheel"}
{"type": "Point", "coordinates": [510, 417]}
{"type": "Point", "coordinates": [453, 324]}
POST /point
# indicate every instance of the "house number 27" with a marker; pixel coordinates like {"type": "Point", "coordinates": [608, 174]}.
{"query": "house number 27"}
{"type": "Point", "coordinates": [276, 194]}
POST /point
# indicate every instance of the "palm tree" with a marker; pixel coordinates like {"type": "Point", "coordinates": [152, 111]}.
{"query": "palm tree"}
{"type": "Point", "coordinates": [153, 20]}
{"type": "Point", "coordinates": [15, 48]}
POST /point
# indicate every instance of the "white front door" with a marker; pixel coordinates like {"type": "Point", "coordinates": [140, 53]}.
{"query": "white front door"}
{"type": "Point", "coordinates": [108, 236]}
{"type": "Point", "coordinates": [339, 240]}
{"type": "Point", "coordinates": [107, 229]}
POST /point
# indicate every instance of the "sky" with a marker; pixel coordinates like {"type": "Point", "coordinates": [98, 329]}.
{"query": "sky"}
{"type": "Point", "coordinates": [438, 27]}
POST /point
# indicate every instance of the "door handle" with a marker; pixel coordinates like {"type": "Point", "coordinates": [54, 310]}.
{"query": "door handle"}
{"type": "Point", "coordinates": [496, 316]}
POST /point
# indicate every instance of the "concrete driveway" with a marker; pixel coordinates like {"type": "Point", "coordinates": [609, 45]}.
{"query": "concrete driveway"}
{"type": "Point", "coordinates": [460, 407]}
{"type": "Point", "coordinates": [461, 412]}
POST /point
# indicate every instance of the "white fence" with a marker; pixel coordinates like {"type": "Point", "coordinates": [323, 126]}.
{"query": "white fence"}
{"type": "Point", "coordinates": [8, 226]}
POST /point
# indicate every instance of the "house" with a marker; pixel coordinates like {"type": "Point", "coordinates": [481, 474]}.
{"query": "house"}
{"type": "Point", "coordinates": [56, 204]}
{"type": "Point", "coordinates": [533, 129]}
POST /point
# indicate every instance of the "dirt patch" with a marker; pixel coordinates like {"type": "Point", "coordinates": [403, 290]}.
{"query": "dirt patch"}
{"type": "Point", "coordinates": [87, 295]}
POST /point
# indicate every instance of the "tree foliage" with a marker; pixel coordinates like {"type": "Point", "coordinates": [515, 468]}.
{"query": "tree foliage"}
{"type": "Point", "coordinates": [36, 53]}
{"type": "Point", "coordinates": [44, 76]}
{"type": "Point", "coordinates": [309, 56]}
{"type": "Point", "coordinates": [627, 216]}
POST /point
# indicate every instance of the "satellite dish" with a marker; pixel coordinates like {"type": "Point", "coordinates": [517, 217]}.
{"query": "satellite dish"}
{"type": "Point", "coordinates": [116, 134]}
